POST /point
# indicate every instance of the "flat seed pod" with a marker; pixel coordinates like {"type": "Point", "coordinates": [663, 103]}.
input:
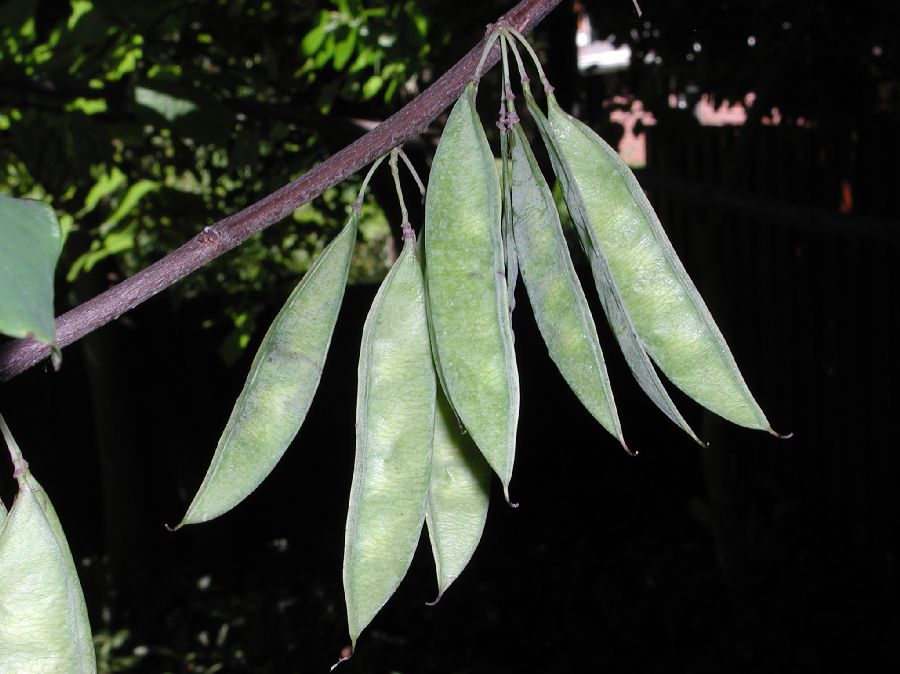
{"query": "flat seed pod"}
{"type": "Point", "coordinates": [610, 297]}
{"type": "Point", "coordinates": [662, 302]}
{"type": "Point", "coordinates": [509, 244]}
{"type": "Point", "coordinates": [467, 288]}
{"type": "Point", "coordinates": [283, 379]}
{"type": "Point", "coordinates": [560, 307]}
{"type": "Point", "coordinates": [395, 409]}
{"type": "Point", "coordinates": [44, 626]}
{"type": "Point", "coordinates": [458, 496]}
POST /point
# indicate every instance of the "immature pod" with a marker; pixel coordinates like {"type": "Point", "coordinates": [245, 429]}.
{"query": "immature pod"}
{"type": "Point", "coordinates": [283, 379]}
{"type": "Point", "coordinates": [560, 307]}
{"type": "Point", "coordinates": [44, 626]}
{"type": "Point", "coordinates": [662, 302]}
{"type": "Point", "coordinates": [467, 289]}
{"type": "Point", "coordinates": [458, 496]}
{"type": "Point", "coordinates": [610, 297]}
{"type": "Point", "coordinates": [395, 410]}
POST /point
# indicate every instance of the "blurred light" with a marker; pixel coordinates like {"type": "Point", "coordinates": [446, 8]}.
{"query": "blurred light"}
{"type": "Point", "coordinates": [600, 55]}
{"type": "Point", "coordinates": [697, 47]}
{"type": "Point", "coordinates": [603, 57]}
{"type": "Point", "coordinates": [751, 41]}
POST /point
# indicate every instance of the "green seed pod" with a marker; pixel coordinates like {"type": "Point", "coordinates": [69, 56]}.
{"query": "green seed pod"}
{"type": "Point", "coordinates": [509, 244]}
{"type": "Point", "coordinates": [283, 379]}
{"type": "Point", "coordinates": [610, 297]}
{"type": "Point", "coordinates": [560, 307]}
{"type": "Point", "coordinates": [458, 496]}
{"type": "Point", "coordinates": [467, 289]}
{"type": "Point", "coordinates": [44, 626]}
{"type": "Point", "coordinates": [395, 410]}
{"type": "Point", "coordinates": [667, 311]}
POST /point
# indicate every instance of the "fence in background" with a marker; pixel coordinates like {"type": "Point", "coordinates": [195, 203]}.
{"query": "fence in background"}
{"type": "Point", "coordinates": [793, 236]}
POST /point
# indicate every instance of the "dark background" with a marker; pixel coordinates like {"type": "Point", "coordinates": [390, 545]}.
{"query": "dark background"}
{"type": "Point", "coordinates": [754, 555]}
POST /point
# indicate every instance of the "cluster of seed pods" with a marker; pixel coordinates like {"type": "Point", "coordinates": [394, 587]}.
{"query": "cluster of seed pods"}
{"type": "Point", "coordinates": [438, 389]}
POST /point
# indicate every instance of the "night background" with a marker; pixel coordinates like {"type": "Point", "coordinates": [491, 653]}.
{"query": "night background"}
{"type": "Point", "coordinates": [767, 136]}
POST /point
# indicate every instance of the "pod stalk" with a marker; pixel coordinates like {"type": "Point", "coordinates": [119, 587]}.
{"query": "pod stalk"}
{"type": "Point", "coordinates": [20, 465]}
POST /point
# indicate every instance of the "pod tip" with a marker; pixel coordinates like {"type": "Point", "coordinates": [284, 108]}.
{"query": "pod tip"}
{"type": "Point", "coordinates": [506, 496]}
{"type": "Point", "coordinates": [346, 654]}
{"type": "Point", "coordinates": [781, 436]}
{"type": "Point", "coordinates": [628, 450]}
{"type": "Point", "coordinates": [436, 599]}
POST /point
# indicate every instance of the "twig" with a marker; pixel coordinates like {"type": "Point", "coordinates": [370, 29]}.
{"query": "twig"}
{"type": "Point", "coordinates": [213, 241]}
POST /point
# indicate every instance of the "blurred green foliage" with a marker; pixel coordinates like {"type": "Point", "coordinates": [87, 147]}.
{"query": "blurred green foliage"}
{"type": "Point", "coordinates": [141, 123]}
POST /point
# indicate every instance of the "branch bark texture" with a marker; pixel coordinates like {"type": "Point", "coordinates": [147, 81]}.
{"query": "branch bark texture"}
{"type": "Point", "coordinates": [19, 355]}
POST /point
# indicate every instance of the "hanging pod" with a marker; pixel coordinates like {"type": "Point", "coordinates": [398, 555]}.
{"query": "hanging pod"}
{"type": "Point", "coordinates": [665, 307]}
{"type": "Point", "coordinates": [610, 297]}
{"type": "Point", "coordinates": [281, 384]}
{"type": "Point", "coordinates": [468, 297]}
{"type": "Point", "coordinates": [458, 496]}
{"type": "Point", "coordinates": [395, 411]}
{"type": "Point", "coordinates": [560, 307]}
{"type": "Point", "coordinates": [506, 224]}
{"type": "Point", "coordinates": [44, 626]}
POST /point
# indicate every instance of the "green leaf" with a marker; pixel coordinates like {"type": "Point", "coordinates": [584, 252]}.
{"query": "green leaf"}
{"type": "Point", "coordinates": [30, 243]}
{"type": "Point", "coordinates": [106, 184]}
{"type": "Point", "coordinates": [166, 105]}
{"type": "Point", "coordinates": [371, 87]}
{"type": "Point", "coordinates": [189, 110]}
{"type": "Point", "coordinates": [343, 50]}
{"type": "Point", "coordinates": [134, 194]}
{"type": "Point", "coordinates": [114, 243]}
{"type": "Point", "coordinates": [313, 40]}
